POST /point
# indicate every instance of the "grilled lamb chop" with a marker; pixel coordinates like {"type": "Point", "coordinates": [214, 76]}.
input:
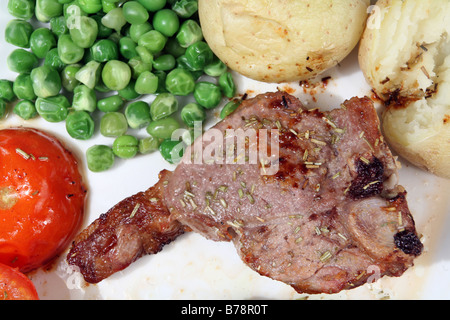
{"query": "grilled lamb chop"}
{"type": "Point", "coordinates": [325, 220]}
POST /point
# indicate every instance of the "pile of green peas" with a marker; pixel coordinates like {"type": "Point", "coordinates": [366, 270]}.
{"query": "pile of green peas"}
{"type": "Point", "coordinates": [104, 56]}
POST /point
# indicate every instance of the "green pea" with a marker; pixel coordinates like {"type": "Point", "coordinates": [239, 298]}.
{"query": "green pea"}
{"type": "Point", "coordinates": [84, 33]}
{"type": "Point", "coordinates": [89, 74]}
{"type": "Point", "coordinates": [104, 50]}
{"type": "Point", "coordinates": [146, 83]}
{"type": "Point", "coordinates": [113, 124]}
{"type": "Point", "coordinates": [180, 82]}
{"type": "Point", "coordinates": [191, 113]}
{"type": "Point", "coordinates": [46, 81]}
{"type": "Point", "coordinates": [58, 26]}
{"type": "Point", "coordinates": [185, 8]}
{"type": "Point", "coordinates": [68, 77]}
{"type": "Point", "coordinates": [6, 90]}
{"type": "Point", "coordinates": [137, 30]}
{"type": "Point", "coordinates": [190, 135]}
{"type": "Point", "coordinates": [3, 106]}
{"type": "Point", "coordinates": [80, 125]}
{"type": "Point", "coordinates": [229, 108]}
{"type": "Point", "coordinates": [153, 5]}
{"type": "Point", "coordinates": [216, 68]}
{"type": "Point", "coordinates": [161, 81]}
{"type": "Point", "coordinates": [52, 59]}
{"type": "Point", "coordinates": [100, 87]}
{"type": "Point", "coordinates": [126, 146]}
{"type": "Point", "coordinates": [172, 151]}
{"type": "Point", "coordinates": [138, 114]}
{"type": "Point", "coordinates": [134, 12]}
{"type": "Point", "coordinates": [114, 19]}
{"type": "Point", "coordinates": [129, 92]}
{"type": "Point", "coordinates": [183, 63]}
{"type": "Point", "coordinates": [138, 66]}
{"type": "Point", "coordinates": [72, 12]}
{"type": "Point", "coordinates": [207, 94]}
{"type": "Point", "coordinates": [25, 109]}
{"type": "Point", "coordinates": [53, 109]}
{"type": "Point", "coordinates": [190, 32]}
{"type": "Point", "coordinates": [23, 9]}
{"type": "Point", "coordinates": [145, 55]}
{"type": "Point", "coordinates": [110, 104]}
{"type": "Point", "coordinates": [164, 62]}
{"type": "Point", "coordinates": [153, 40]}
{"type": "Point", "coordinates": [22, 61]}
{"type": "Point", "coordinates": [127, 47]}
{"type": "Point", "coordinates": [173, 47]}
{"type": "Point", "coordinates": [163, 128]}
{"type": "Point", "coordinates": [68, 51]}
{"type": "Point", "coordinates": [68, 2]}
{"type": "Point", "coordinates": [84, 99]}
{"type": "Point", "coordinates": [166, 21]}
{"type": "Point", "coordinates": [103, 31]}
{"type": "Point", "coordinates": [99, 158]}
{"type": "Point", "coordinates": [108, 6]}
{"type": "Point", "coordinates": [116, 74]}
{"type": "Point", "coordinates": [41, 41]}
{"type": "Point", "coordinates": [199, 55]}
{"type": "Point", "coordinates": [163, 106]}
{"type": "Point", "coordinates": [226, 83]}
{"type": "Point", "coordinates": [18, 33]}
{"type": "Point", "coordinates": [23, 87]}
{"type": "Point", "coordinates": [148, 144]}
{"type": "Point", "coordinates": [90, 6]}
{"type": "Point", "coordinates": [47, 9]}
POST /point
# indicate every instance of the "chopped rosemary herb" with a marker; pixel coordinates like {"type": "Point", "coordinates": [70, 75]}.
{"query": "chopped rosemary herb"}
{"type": "Point", "coordinates": [223, 202]}
{"type": "Point", "coordinates": [250, 198]}
{"type": "Point", "coordinates": [325, 256]}
{"type": "Point", "coordinates": [319, 142]}
{"type": "Point", "coordinates": [135, 209]}
{"type": "Point", "coordinates": [25, 155]}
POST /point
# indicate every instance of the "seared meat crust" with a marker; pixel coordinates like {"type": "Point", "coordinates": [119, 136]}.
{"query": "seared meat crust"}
{"type": "Point", "coordinates": [138, 225]}
{"type": "Point", "coordinates": [326, 219]}
{"type": "Point", "coordinates": [330, 216]}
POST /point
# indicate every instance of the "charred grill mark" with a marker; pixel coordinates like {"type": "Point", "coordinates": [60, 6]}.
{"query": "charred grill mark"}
{"type": "Point", "coordinates": [408, 242]}
{"type": "Point", "coordinates": [289, 170]}
{"type": "Point", "coordinates": [369, 180]}
{"type": "Point", "coordinates": [284, 102]}
{"type": "Point", "coordinates": [332, 214]}
{"type": "Point", "coordinates": [263, 229]}
{"type": "Point", "coordinates": [279, 104]}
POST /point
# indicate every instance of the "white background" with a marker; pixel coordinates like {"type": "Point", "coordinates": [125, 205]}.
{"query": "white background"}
{"type": "Point", "coordinates": [195, 268]}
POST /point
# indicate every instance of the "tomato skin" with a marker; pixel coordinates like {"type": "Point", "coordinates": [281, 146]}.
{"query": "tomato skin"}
{"type": "Point", "coordinates": [42, 198]}
{"type": "Point", "coordinates": [14, 285]}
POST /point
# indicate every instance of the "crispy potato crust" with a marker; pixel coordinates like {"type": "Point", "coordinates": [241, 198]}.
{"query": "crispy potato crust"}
{"type": "Point", "coordinates": [280, 40]}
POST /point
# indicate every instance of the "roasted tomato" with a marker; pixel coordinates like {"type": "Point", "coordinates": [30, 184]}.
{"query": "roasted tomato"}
{"type": "Point", "coordinates": [42, 198]}
{"type": "Point", "coordinates": [14, 285]}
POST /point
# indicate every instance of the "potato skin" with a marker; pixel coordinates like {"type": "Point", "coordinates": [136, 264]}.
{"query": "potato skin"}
{"type": "Point", "coordinates": [404, 57]}
{"type": "Point", "coordinates": [282, 40]}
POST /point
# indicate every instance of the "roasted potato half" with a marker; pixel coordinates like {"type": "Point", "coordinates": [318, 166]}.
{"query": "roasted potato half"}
{"type": "Point", "coordinates": [405, 56]}
{"type": "Point", "coordinates": [282, 40]}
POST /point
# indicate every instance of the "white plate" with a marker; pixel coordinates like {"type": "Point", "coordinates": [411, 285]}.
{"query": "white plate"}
{"type": "Point", "coordinates": [194, 268]}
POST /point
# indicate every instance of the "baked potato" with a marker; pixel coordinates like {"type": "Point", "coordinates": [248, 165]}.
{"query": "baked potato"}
{"type": "Point", "coordinates": [282, 40]}
{"type": "Point", "coordinates": [405, 56]}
